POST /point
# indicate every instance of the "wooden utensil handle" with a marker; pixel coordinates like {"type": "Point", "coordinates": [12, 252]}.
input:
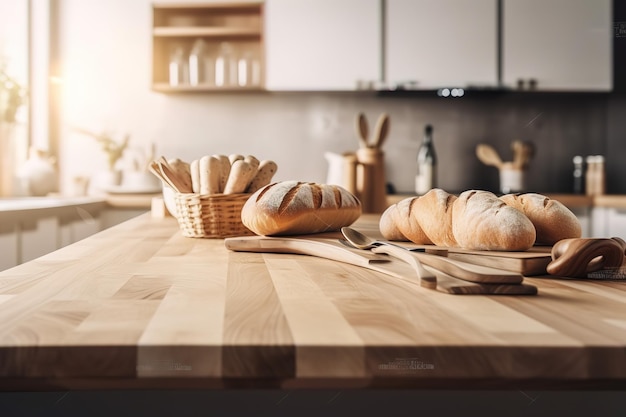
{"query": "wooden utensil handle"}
{"type": "Point", "coordinates": [426, 278]}
{"type": "Point", "coordinates": [577, 257]}
{"type": "Point", "coordinates": [362, 130]}
{"type": "Point", "coordinates": [382, 129]}
{"type": "Point", "coordinates": [319, 248]}
{"type": "Point", "coordinates": [449, 284]}
{"type": "Point", "coordinates": [469, 272]}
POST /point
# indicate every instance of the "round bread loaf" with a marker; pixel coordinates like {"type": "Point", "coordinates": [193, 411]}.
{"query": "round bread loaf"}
{"type": "Point", "coordinates": [433, 212]}
{"type": "Point", "coordinates": [481, 221]}
{"type": "Point", "coordinates": [552, 220]}
{"type": "Point", "coordinates": [293, 208]}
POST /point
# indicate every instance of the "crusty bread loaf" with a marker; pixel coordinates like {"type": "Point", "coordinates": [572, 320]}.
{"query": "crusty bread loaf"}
{"type": "Point", "coordinates": [224, 171]}
{"type": "Point", "coordinates": [241, 174]}
{"type": "Point", "coordinates": [433, 212]}
{"type": "Point", "coordinates": [263, 176]}
{"type": "Point", "coordinates": [407, 223]}
{"type": "Point", "coordinates": [292, 208]}
{"type": "Point", "coordinates": [388, 227]}
{"type": "Point", "coordinates": [209, 175]}
{"type": "Point", "coordinates": [552, 220]}
{"type": "Point", "coordinates": [481, 221]}
{"type": "Point", "coordinates": [194, 171]}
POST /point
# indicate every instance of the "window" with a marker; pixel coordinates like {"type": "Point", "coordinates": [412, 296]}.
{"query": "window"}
{"type": "Point", "coordinates": [14, 76]}
{"type": "Point", "coordinates": [25, 43]}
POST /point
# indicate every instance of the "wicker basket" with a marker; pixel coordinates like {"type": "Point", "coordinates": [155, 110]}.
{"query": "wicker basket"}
{"type": "Point", "coordinates": [211, 216]}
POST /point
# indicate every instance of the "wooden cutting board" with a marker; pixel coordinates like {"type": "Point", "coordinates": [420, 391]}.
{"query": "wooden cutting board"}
{"type": "Point", "coordinates": [332, 249]}
{"type": "Point", "coordinates": [528, 263]}
{"type": "Point", "coordinates": [531, 262]}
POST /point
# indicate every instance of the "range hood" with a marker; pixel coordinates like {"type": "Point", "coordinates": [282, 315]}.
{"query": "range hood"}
{"type": "Point", "coordinates": [410, 90]}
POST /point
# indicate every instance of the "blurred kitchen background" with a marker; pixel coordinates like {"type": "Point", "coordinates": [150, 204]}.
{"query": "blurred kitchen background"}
{"type": "Point", "coordinates": [92, 65]}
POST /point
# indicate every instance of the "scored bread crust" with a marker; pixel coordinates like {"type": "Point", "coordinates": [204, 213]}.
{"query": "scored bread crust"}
{"type": "Point", "coordinates": [553, 221]}
{"type": "Point", "coordinates": [481, 221]}
{"type": "Point", "coordinates": [388, 227]}
{"type": "Point", "coordinates": [433, 212]}
{"type": "Point", "coordinates": [407, 223]}
{"type": "Point", "coordinates": [293, 208]}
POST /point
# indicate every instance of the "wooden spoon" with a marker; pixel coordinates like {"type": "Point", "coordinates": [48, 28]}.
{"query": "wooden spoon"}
{"type": "Point", "coordinates": [488, 155]}
{"type": "Point", "coordinates": [175, 182]}
{"type": "Point", "coordinates": [381, 130]}
{"type": "Point", "coordinates": [362, 130]}
{"type": "Point", "coordinates": [528, 152]}
{"type": "Point", "coordinates": [518, 154]}
{"type": "Point", "coordinates": [522, 153]}
{"type": "Point", "coordinates": [457, 269]}
{"type": "Point", "coordinates": [156, 170]}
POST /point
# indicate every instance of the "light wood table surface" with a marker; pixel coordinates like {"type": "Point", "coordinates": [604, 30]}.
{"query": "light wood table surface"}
{"type": "Point", "coordinates": [141, 306]}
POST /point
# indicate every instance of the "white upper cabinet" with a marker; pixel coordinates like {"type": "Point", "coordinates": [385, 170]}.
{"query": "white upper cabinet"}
{"type": "Point", "coordinates": [337, 45]}
{"type": "Point", "coordinates": [322, 45]}
{"type": "Point", "coordinates": [561, 44]}
{"type": "Point", "coordinates": [441, 43]}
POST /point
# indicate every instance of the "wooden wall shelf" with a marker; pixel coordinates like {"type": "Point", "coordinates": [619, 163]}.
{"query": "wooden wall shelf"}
{"type": "Point", "coordinates": [167, 88]}
{"type": "Point", "coordinates": [180, 30]}
{"type": "Point", "coordinates": [235, 32]}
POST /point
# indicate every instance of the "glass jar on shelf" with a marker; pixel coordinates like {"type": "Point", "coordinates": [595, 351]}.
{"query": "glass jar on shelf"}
{"type": "Point", "coordinates": [248, 70]}
{"type": "Point", "coordinates": [178, 66]}
{"type": "Point", "coordinates": [225, 66]}
{"type": "Point", "coordinates": [197, 62]}
{"type": "Point", "coordinates": [209, 69]}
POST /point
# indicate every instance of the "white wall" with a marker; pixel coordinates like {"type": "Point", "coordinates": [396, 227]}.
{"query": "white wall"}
{"type": "Point", "coordinates": [105, 49]}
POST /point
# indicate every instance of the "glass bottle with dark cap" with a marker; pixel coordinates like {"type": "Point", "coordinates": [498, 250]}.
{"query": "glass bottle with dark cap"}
{"type": "Point", "coordinates": [426, 177]}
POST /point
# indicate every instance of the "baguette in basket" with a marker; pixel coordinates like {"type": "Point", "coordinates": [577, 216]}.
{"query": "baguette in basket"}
{"type": "Point", "coordinates": [209, 192]}
{"type": "Point", "coordinates": [215, 174]}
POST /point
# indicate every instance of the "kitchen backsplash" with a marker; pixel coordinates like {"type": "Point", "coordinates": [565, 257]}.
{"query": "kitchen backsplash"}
{"type": "Point", "coordinates": [296, 129]}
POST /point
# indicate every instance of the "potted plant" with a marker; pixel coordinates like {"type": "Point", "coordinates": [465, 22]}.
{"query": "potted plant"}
{"type": "Point", "coordinates": [114, 151]}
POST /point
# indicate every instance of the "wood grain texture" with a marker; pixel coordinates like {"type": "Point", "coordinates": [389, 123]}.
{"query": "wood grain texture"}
{"type": "Point", "coordinates": [138, 305]}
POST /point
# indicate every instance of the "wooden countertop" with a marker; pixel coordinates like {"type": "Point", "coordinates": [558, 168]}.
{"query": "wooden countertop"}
{"type": "Point", "coordinates": [142, 201]}
{"type": "Point", "coordinates": [610, 201]}
{"type": "Point", "coordinates": [54, 203]}
{"type": "Point", "coordinates": [140, 306]}
{"type": "Point", "coordinates": [30, 208]}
